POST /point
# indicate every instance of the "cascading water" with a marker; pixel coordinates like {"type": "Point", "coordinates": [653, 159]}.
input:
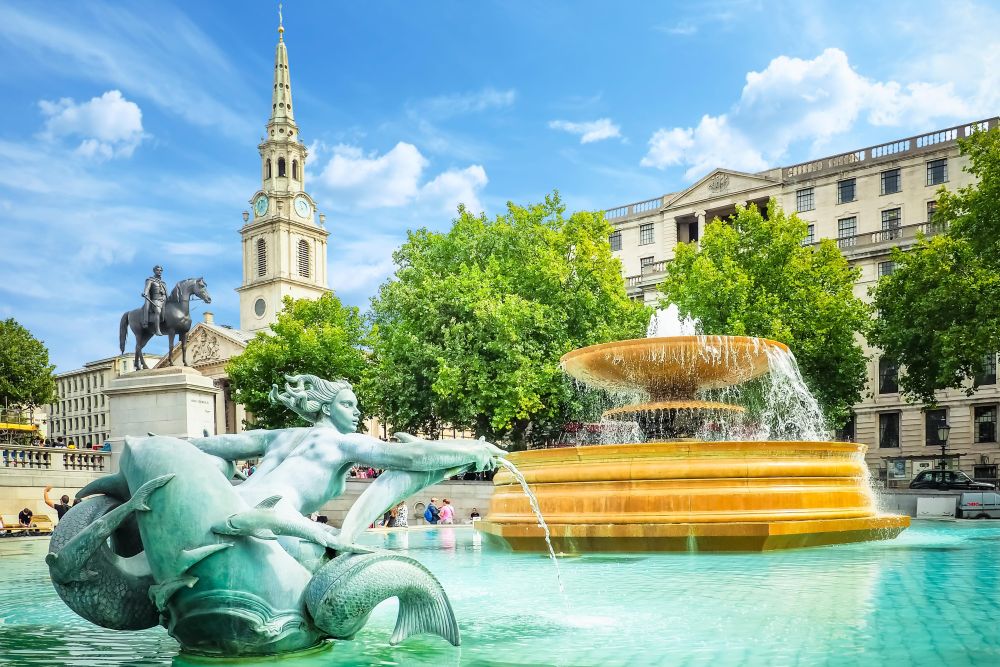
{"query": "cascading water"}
{"type": "Point", "coordinates": [512, 469]}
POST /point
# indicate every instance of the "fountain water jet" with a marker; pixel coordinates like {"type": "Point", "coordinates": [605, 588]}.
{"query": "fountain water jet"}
{"type": "Point", "coordinates": [711, 475]}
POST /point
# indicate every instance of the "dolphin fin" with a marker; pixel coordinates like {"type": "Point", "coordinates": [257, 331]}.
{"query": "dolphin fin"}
{"type": "Point", "coordinates": [426, 615]}
{"type": "Point", "coordinates": [160, 593]}
{"type": "Point", "coordinates": [268, 503]}
{"type": "Point", "coordinates": [227, 528]}
{"type": "Point", "coordinates": [110, 485]}
{"type": "Point", "coordinates": [191, 557]}
{"type": "Point", "coordinates": [142, 494]}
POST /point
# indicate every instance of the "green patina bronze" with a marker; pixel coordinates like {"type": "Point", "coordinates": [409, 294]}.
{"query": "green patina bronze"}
{"type": "Point", "coordinates": [239, 570]}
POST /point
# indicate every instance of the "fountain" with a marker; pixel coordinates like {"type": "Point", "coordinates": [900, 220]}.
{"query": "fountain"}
{"type": "Point", "coordinates": [711, 474]}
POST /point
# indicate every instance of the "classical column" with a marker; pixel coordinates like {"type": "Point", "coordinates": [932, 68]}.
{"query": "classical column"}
{"type": "Point", "coordinates": [701, 224]}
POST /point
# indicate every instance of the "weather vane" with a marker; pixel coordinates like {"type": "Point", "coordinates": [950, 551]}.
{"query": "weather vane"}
{"type": "Point", "coordinates": [281, 27]}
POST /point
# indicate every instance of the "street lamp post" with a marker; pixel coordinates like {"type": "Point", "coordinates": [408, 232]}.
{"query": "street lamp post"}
{"type": "Point", "coordinates": [942, 432]}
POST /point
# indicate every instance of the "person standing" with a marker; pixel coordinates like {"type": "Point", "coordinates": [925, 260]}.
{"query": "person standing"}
{"type": "Point", "coordinates": [432, 514]}
{"type": "Point", "coordinates": [61, 507]}
{"type": "Point", "coordinates": [447, 512]}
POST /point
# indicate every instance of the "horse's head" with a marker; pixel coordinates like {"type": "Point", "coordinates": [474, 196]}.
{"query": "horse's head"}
{"type": "Point", "coordinates": [201, 290]}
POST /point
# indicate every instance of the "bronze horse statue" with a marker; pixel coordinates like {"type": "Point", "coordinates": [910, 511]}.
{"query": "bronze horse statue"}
{"type": "Point", "coordinates": [176, 321]}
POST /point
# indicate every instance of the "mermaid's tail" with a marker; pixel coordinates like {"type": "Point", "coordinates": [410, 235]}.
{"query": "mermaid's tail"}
{"type": "Point", "coordinates": [341, 596]}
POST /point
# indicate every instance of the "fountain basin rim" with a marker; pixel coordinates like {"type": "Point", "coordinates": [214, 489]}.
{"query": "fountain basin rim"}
{"type": "Point", "coordinates": [673, 340]}
{"type": "Point", "coordinates": [673, 405]}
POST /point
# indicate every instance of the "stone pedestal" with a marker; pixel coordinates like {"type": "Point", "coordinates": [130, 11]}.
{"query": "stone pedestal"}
{"type": "Point", "coordinates": [176, 400]}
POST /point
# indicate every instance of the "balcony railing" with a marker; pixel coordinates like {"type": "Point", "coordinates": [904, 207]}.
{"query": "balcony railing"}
{"type": "Point", "coordinates": [13, 457]}
{"type": "Point", "coordinates": [889, 151]}
{"type": "Point", "coordinates": [633, 210]}
{"type": "Point", "coordinates": [646, 272]}
{"type": "Point", "coordinates": [860, 243]}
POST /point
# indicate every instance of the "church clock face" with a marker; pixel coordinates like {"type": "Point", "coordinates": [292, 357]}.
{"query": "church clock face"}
{"type": "Point", "coordinates": [260, 205]}
{"type": "Point", "coordinates": [302, 207]}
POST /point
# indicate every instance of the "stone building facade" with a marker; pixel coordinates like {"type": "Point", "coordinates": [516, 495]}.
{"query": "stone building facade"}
{"type": "Point", "coordinates": [81, 415]}
{"type": "Point", "coordinates": [870, 201]}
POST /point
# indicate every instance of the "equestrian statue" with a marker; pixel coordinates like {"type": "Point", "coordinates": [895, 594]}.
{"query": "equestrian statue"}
{"type": "Point", "coordinates": [162, 315]}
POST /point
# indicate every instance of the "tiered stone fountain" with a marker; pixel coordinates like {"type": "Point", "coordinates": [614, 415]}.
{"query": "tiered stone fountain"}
{"type": "Point", "coordinates": [675, 492]}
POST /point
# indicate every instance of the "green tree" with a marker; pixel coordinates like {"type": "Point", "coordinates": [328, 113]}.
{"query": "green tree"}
{"type": "Point", "coordinates": [320, 337]}
{"type": "Point", "coordinates": [939, 311]}
{"type": "Point", "coordinates": [26, 379]}
{"type": "Point", "coordinates": [470, 329]}
{"type": "Point", "coordinates": [751, 275]}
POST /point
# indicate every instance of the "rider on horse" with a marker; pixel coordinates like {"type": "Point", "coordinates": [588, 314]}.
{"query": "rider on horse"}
{"type": "Point", "coordinates": [155, 294]}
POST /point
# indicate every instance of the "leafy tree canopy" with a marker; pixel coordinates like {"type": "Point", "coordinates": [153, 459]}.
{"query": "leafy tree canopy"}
{"type": "Point", "coordinates": [26, 379]}
{"type": "Point", "coordinates": [939, 311]}
{"type": "Point", "coordinates": [751, 275]}
{"type": "Point", "coordinates": [320, 337]}
{"type": "Point", "coordinates": [470, 329]}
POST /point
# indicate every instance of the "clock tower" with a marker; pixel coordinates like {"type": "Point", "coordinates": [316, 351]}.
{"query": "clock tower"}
{"type": "Point", "coordinates": [284, 248]}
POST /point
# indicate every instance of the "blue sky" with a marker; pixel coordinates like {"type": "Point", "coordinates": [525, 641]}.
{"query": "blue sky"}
{"type": "Point", "coordinates": [129, 130]}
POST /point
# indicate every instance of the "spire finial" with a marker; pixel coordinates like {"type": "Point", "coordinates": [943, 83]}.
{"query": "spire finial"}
{"type": "Point", "coordinates": [281, 28]}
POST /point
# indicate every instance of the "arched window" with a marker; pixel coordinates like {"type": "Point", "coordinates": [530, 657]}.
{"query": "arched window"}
{"type": "Point", "coordinates": [295, 169]}
{"type": "Point", "coordinates": [267, 169]}
{"type": "Point", "coordinates": [281, 167]}
{"type": "Point", "coordinates": [261, 257]}
{"type": "Point", "coordinates": [304, 258]}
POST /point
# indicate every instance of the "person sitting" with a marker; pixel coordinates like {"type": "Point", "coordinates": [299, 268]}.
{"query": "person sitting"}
{"type": "Point", "coordinates": [474, 515]}
{"type": "Point", "coordinates": [24, 518]}
{"type": "Point", "coordinates": [61, 507]}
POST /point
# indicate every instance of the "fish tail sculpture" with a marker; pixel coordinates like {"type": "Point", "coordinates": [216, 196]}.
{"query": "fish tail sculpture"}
{"type": "Point", "coordinates": [89, 576]}
{"type": "Point", "coordinates": [343, 593]}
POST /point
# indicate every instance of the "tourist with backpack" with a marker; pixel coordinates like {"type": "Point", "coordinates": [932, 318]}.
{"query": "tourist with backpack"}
{"type": "Point", "coordinates": [432, 515]}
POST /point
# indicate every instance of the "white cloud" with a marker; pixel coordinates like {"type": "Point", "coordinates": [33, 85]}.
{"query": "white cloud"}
{"type": "Point", "coordinates": [794, 100]}
{"type": "Point", "coordinates": [397, 179]}
{"type": "Point", "coordinates": [444, 106]}
{"type": "Point", "coordinates": [589, 131]}
{"type": "Point", "coordinates": [108, 126]}
{"type": "Point", "coordinates": [456, 186]}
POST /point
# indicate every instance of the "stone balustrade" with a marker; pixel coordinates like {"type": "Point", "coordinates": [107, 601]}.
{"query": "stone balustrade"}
{"type": "Point", "coordinates": [54, 459]}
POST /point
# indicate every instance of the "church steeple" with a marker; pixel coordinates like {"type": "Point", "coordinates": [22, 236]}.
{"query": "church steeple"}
{"type": "Point", "coordinates": [284, 250]}
{"type": "Point", "coordinates": [281, 97]}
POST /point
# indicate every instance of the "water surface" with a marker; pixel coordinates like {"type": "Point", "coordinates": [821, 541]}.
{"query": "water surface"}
{"type": "Point", "coordinates": [929, 597]}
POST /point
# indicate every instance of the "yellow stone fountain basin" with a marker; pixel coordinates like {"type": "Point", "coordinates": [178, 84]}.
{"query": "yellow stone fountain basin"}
{"type": "Point", "coordinates": [629, 411]}
{"type": "Point", "coordinates": [675, 366]}
{"type": "Point", "coordinates": [721, 495]}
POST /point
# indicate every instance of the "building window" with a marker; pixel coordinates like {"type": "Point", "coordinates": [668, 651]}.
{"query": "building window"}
{"type": "Point", "coordinates": [646, 233]}
{"type": "Point", "coordinates": [846, 190]}
{"type": "Point", "coordinates": [615, 239]}
{"type": "Point", "coordinates": [886, 268]}
{"type": "Point", "coordinates": [267, 168]}
{"type": "Point", "coordinates": [846, 432]}
{"type": "Point", "coordinates": [891, 219]}
{"type": "Point", "coordinates": [304, 258]}
{"type": "Point", "coordinates": [810, 235]}
{"type": "Point", "coordinates": [888, 429]}
{"type": "Point", "coordinates": [888, 376]}
{"type": "Point", "coordinates": [988, 374]}
{"type": "Point", "coordinates": [645, 264]}
{"type": "Point", "coordinates": [261, 257]}
{"type": "Point", "coordinates": [891, 181]}
{"type": "Point", "coordinates": [295, 169]}
{"type": "Point", "coordinates": [986, 423]}
{"type": "Point", "coordinates": [805, 200]}
{"type": "Point", "coordinates": [281, 167]}
{"type": "Point", "coordinates": [847, 230]}
{"type": "Point", "coordinates": [937, 171]}
{"type": "Point", "coordinates": [932, 420]}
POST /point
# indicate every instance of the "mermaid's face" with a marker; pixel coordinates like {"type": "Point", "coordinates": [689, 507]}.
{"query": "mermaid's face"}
{"type": "Point", "coordinates": [343, 411]}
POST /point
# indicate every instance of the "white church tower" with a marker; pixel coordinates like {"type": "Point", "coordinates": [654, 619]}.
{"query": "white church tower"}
{"type": "Point", "coordinates": [284, 248]}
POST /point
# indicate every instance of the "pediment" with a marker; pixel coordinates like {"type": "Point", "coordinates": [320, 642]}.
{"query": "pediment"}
{"type": "Point", "coordinates": [206, 346]}
{"type": "Point", "coordinates": [720, 183]}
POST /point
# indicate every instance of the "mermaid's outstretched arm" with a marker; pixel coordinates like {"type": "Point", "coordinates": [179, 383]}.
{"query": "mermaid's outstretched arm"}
{"type": "Point", "coordinates": [416, 454]}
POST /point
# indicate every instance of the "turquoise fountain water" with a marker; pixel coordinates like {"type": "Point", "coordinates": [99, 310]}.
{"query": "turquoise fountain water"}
{"type": "Point", "coordinates": [930, 597]}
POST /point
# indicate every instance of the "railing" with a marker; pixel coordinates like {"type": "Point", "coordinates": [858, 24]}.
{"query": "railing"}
{"type": "Point", "coordinates": [645, 272]}
{"type": "Point", "coordinates": [870, 240]}
{"type": "Point", "coordinates": [53, 458]}
{"type": "Point", "coordinates": [633, 210]}
{"type": "Point", "coordinates": [891, 150]}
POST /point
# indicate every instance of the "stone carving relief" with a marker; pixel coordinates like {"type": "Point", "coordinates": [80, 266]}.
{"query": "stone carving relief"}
{"type": "Point", "coordinates": [719, 183]}
{"type": "Point", "coordinates": [204, 349]}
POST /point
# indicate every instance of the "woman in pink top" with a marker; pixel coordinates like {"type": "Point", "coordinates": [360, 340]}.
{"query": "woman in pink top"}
{"type": "Point", "coordinates": [447, 512]}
